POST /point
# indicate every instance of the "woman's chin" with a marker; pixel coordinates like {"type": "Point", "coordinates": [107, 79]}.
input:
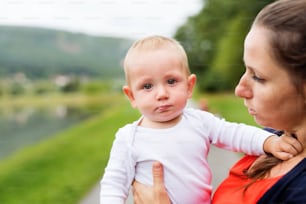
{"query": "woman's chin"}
{"type": "Point", "coordinates": [260, 122]}
{"type": "Point", "coordinates": [264, 123]}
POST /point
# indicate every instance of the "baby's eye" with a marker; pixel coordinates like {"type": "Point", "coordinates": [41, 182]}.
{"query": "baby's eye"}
{"type": "Point", "coordinates": [171, 81]}
{"type": "Point", "coordinates": [147, 86]}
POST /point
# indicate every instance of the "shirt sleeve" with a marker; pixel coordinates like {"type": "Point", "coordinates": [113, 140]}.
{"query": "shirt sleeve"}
{"type": "Point", "coordinates": [237, 137]}
{"type": "Point", "coordinates": [119, 172]}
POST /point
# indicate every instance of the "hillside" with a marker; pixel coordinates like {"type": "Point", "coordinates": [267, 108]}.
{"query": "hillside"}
{"type": "Point", "coordinates": [40, 52]}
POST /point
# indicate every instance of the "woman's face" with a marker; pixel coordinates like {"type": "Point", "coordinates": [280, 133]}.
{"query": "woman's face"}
{"type": "Point", "coordinates": [268, 92]}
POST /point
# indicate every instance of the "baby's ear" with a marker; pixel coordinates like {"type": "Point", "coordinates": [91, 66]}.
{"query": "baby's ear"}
{"type": "Point", "coordinates": [192, 79]}
{"type": "Point", "coordinates": [128, 92]}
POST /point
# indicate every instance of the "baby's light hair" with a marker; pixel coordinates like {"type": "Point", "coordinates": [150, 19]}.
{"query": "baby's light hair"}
{"type": "Point", "coordinates": [152, 43]}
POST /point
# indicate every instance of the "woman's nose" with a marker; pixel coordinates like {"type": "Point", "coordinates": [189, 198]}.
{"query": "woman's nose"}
{"type": "Point", "coordinates": [243, 89]}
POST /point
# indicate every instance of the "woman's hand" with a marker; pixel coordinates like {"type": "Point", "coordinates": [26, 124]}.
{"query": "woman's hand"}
{"type": "Point", "coordinates": [156, 194]}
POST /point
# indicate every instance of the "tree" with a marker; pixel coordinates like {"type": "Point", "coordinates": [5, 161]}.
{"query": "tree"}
{"type": "Point", "coordinates": [213, 40]}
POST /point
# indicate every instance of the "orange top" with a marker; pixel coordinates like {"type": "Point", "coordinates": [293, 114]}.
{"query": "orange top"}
{"type": "Point", "coordinates": [232, 188]}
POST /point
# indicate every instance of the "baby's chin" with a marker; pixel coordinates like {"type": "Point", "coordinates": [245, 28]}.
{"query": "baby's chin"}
{"type": "Point", "coordinates": [163, 122]}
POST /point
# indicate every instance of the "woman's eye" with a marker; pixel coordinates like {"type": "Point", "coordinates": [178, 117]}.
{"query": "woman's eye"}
{"type": "Point", "coordinates": [171, 81]}
{"type": "Point", "coordinates": [256, 78]}
{"type": "Point", "coordinates": [147, 86]}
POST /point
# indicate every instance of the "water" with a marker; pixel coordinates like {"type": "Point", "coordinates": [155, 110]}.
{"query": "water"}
{"type": "Point", "coordinates": [26, 126]}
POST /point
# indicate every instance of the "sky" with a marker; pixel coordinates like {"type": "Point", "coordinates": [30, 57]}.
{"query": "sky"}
{"type": "Point", "coordinates": [120, 18]}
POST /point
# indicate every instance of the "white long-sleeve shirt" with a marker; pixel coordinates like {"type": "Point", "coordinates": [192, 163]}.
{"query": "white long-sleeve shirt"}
{"type": "Point", "coordinates": [182, 150]}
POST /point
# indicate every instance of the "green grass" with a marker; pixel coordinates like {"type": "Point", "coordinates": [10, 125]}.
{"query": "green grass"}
{"type": "Point", "coordinates": [230, 107]}
{"type": "Point", "coordinates": [62, 169]}
{"type": "Point", "coordinates": [56, 98]}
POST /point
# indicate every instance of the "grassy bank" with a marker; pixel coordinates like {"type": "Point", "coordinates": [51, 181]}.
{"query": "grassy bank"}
{"type": "Point", "coordinates": [230, 107]}
{"type": "Point", "coordinates": [51, 99]}
{"type": "Point", "coordinates": [62, 169]}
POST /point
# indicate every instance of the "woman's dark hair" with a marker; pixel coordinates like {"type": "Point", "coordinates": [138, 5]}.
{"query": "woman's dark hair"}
{"type": "Point", "coordinates": [263, 164]}
{"type": "Point", "coordinates": [285, 21]}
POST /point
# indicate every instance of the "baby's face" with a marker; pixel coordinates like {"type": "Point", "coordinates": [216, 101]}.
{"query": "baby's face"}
{"type": "Point", "coordinates": [159, 85]}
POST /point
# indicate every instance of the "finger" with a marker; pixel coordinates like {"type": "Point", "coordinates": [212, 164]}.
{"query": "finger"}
{"type": "Point", "coordinates": [283, 156]}
{"type": "Point", "coordinates": [290, 149]}
{"type": "Point", "coordinates": [160, 193]}
{"type": "Point", "coordinates": [139, 187]}
{"type": "Point", "coordinates": [136, 190]}
{"type": "Point", "coordinates": [158, 175]}
{"type": "Point", "coordinates": [135, 196]}
{"type": "Point", "coordinates": [296, 145]}
{"type": "Point", "coordinates": [293, 145]}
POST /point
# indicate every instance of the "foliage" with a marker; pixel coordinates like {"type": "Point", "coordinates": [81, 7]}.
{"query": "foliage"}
{"type": "Point", "coordinates": [72, 86]}
{"type": "Point", "coordinates": [42, 87]}
{"type": "Point", "coordinates": [96, 87]}
{"type": "Point", "coordinates": [16, 89]}
{"type": "Point", "coordinates": [12, 88]}
{"type": "Point", "coordinates": [227, 62]}
{"type": "Point", "coordinates": [213, 41]}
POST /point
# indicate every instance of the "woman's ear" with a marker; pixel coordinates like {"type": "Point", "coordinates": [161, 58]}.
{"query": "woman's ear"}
{"type": "Point", "coordinates": [128, 92]}
{"type": "Point", "coordinates": [191, 83]}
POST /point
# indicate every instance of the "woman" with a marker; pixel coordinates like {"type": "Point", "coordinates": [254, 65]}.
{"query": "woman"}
{"type": "Point", "coordinates": [274, 91]}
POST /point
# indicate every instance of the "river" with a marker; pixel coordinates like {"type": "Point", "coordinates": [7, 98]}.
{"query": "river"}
{"type": "Point", "coordinates": [24, 126]}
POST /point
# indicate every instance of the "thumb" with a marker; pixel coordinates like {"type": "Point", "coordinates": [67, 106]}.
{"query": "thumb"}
{"type": "Point", "coordinates": [158, 175]}
{"type": "Point", "coordinates": [160, 193]}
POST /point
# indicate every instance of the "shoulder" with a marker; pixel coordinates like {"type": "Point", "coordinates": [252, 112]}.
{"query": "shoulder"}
{"type": "Point", "coordinates": [296, 188]}
{"type": "Point", "coordinates": [295, 177]}
{"type": "Point", "coordinates": [126, 131]}
{"type": "Point", "coordinates": [198, 114]}
{"type": "Point", "coordinates": [202, 118]}
{"type": "Point", "coordinates": [290, 188]}
{"type": "Point", "coordinates": [298, 173]}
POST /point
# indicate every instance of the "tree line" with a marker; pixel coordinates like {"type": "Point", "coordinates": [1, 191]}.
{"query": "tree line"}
{"type": "Point", "coordinates": [213, 40]}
